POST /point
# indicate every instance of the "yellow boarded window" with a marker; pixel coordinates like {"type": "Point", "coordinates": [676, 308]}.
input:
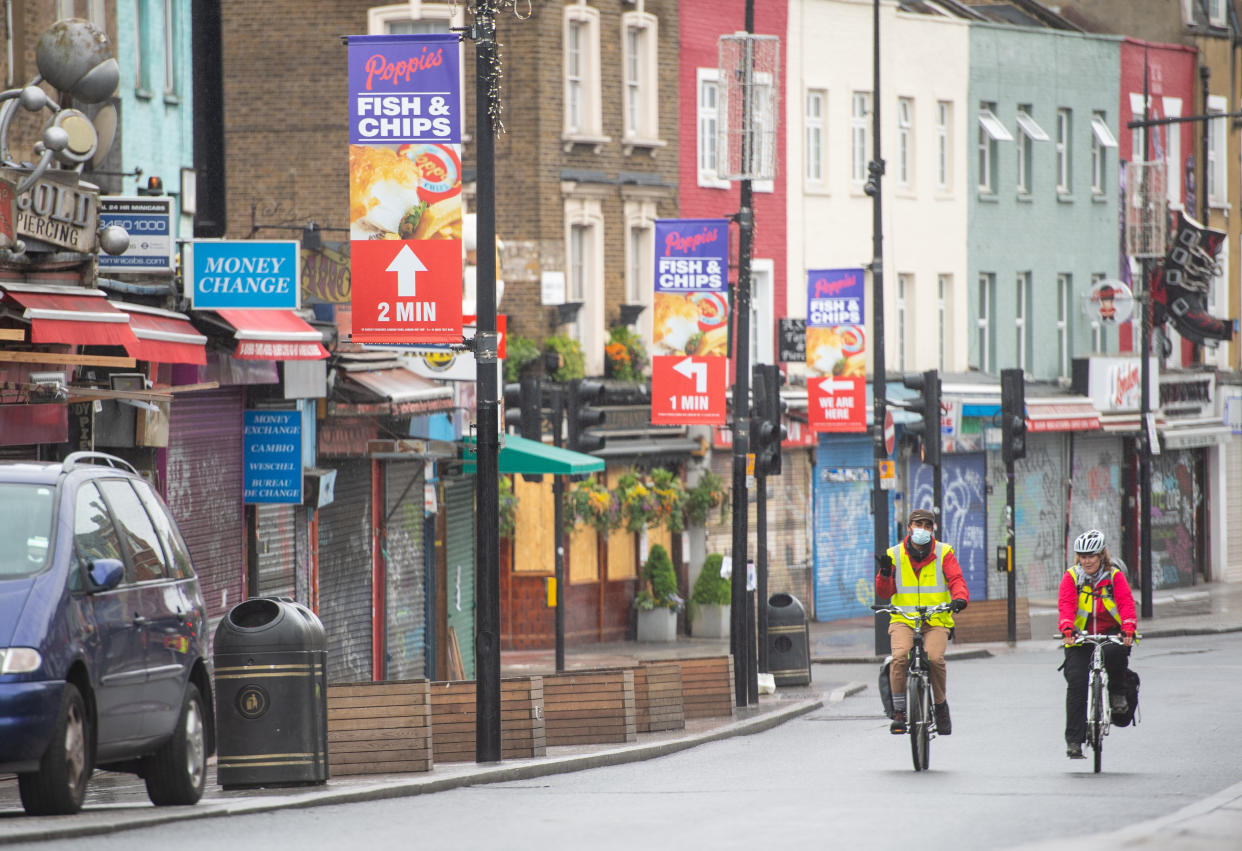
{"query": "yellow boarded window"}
{"type": "Point", "coordinates": [584, 555]}
{"type": "Point", "coordinates": [533, 541]}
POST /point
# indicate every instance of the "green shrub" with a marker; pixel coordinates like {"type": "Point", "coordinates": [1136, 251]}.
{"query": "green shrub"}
{"type": "Point", "coordinates": [573, 363]}
{"type": "Point", "coordinates": [662, 581]}
{"type": "Point", "coordinates": [711, 589]}
{"type": "Point", "coordinates": [519, 351]}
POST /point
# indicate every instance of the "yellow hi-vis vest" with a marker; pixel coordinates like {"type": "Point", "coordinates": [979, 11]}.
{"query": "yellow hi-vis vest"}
{"type": "Point", "coordinates": [1087, 595]}
{"type": "Point", "coordinates": [926, 588]}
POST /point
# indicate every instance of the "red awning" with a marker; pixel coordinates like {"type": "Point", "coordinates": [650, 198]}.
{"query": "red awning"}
{"type": "Point", "coordinates": [273, 335]}
{"type": "Point", "coordinates": [75, 316]}
{"type": "Point", "coordinates": [1062, 414]}
{"type": "Point", "coordinates": [164, 336]}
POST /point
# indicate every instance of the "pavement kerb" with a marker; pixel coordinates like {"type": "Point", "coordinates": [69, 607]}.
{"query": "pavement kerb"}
{"type": "Point", "coordinates": [408, 786]}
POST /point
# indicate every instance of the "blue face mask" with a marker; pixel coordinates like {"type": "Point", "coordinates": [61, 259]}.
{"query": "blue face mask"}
{"type": "Point", "coordinates": [920, 537]}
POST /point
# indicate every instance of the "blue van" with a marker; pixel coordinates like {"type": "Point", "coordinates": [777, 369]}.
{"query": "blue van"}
{"type": "Point", "coordinates": [103, 636]}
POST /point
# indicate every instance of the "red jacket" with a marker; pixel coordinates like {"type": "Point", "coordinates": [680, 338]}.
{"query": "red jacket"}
{"type": "Point", "coordinates": [886, 586]}
{"type": "Point", "coordinates": [1100, 620]}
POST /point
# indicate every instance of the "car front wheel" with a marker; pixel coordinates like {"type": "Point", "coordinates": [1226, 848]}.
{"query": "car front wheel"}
{"type": "Point", "coordinates": [60, 783]}
{"type": "Point", "coordinates": [177, 772]}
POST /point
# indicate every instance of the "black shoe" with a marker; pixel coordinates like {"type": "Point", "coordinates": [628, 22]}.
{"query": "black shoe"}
{"type": "Point", "coordinates": [944, 724]}
{"type": "Point", "coordinates": [1074, 751]}
{"type": "Point", "coordinates": [898, 727]}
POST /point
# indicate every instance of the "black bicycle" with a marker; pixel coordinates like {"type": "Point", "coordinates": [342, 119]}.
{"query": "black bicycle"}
{"type": "Point", "coordinates": [920, 715]}
{"type": "Point", "coordinates": [1099, 708]}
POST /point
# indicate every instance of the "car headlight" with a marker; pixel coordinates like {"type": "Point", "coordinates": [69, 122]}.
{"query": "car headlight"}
{"type": "Point", "coordinates": [19, 660]}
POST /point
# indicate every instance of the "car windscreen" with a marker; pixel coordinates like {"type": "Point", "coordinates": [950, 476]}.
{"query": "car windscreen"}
{"type": "Point", "coordinates": [25, 528]}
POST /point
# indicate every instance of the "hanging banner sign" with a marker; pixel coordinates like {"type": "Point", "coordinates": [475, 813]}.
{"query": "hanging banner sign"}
{"type": "Point", "coordinates": [272, 455]}
{"type": "Point", "coordinates": [405, 206]}
{"type": "Point", "coordinates": [836, 350]}
{"type": "Point", "coordinates": [690, 322]}
{"type": "Point", "coordinates": [243, 274]}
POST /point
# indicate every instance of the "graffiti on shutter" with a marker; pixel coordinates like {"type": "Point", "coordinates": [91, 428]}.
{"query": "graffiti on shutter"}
{"type": "Point", "coordinates": [1176, 499]}
{"type": "Point", "coordinates": [1096, 495]}
{"type": "Point", "coordinates": [964, 512]}
{"type": "Point", "coordinates": [345, 573]}
{"type": "Point", "coordinates": [1039, 517]}
{"type": "Point", "coordinates": [405, 571]}
{"type": "Point", "coordinates": [459, 557]}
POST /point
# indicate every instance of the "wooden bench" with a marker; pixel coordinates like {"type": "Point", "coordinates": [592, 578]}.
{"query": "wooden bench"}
{"type": "Point", "coordinates": [988, 620]}
{"type": "Point", "coordinates": [707, 686]}
{"type": "Point", "coordinates": [453, 724]}
{"type": "Point", "coordinates": [378, 728]}
{"type": "Point", "coordinates": [658, 701]}
{"type": "Point", "coordinates": [590, 707]}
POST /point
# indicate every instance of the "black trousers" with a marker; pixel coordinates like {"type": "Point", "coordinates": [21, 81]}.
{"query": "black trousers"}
{"type": "Point", "coordinates": [1077, 672]}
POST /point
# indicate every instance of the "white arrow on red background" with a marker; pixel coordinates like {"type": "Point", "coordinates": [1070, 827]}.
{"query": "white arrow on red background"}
{"type": "Point", "coordinates": [407, 266]}
{"type": "Point", "coordinates": [832, 385]}
{"type": "Point", "coordinates": [696, 371]}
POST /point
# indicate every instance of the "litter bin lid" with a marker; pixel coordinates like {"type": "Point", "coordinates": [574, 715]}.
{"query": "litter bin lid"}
{"type": "Point", "coordinates": [267, 624]}
{"type": "Point", "coordinates": [785, 609]}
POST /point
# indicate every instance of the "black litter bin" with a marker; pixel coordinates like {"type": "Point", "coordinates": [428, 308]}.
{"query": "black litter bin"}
{"type": "Point", "coordinates": [789, 641]}
{"type": "Point", "coordinates": [271, 695]}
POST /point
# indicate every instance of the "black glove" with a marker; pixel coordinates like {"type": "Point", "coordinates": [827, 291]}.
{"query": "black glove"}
{"type": "Point", "coordinates": [885, 564]}
{"type": "Point", "coordinates": [957, 605]}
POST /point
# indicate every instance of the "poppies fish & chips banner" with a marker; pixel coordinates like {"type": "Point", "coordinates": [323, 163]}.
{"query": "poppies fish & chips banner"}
{"type": "Point", "coordinates": [836, 350]}
{"type": "Point", "coordinates": [690, 322]}
{"type": "Point", "coordinates": [405, 204]}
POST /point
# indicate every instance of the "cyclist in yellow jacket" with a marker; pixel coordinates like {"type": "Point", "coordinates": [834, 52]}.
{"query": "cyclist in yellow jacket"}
{"type": "Point", "coordinates": [920, 571]}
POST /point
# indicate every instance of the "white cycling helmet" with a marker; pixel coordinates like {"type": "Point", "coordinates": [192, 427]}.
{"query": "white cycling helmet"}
{"type": "Point", "coordinates": [1090, 542]}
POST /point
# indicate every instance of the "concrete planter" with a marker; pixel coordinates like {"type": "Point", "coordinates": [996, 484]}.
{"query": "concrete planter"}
{"type": "Point", "coordinates": [710, 621]}
{"type": "Point", "coordinates": [659, 624]}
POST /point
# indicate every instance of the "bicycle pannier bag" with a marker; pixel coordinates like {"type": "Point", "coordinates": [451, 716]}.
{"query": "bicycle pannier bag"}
{"type": "Point", "coordinates": [1124, 719]}
{"type": "Point", "coordinates": [886, 688]}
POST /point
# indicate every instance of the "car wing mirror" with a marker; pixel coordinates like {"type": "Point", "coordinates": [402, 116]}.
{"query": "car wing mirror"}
{"type": "Point", "coordinates": [107, 573]}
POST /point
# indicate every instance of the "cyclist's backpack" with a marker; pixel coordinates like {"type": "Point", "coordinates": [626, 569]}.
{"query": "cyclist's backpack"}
{"type": "Point", "coordinates": [1124, 719]}
{"type": "Point", "coordinates": [886, 688]}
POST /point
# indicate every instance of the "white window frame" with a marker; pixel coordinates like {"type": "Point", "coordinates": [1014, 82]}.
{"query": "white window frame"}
{"type": "Point", "coordinates": [1021, 316]}
{"type": "Point", "coordinates": [640, 213]}
{"type": "Point", "coordinates": [944, 145]}
{"type": "Point", "coordinates": [1101, 140]}
{"type": "Point", "coordinates": [170, 47]}
{"type": "Point", "coordinates": [905, 290]}
{"type": "Point", "coordinates": [380, 19]}
{"type": "Point", "coordinates": [1217, 130]}
{"type": "Point", "coordinates": [584, 209]}
{"type": "Point", "coordinates": [1065, 174]}
{"type": "Point", "coordinates": [1173, 152]}
{"type": "Point", "coordinates": [762, 310]}
{"type": "Point", "coordinates": [984, 330]}
{"type": "Point", "coordinates": [708, 126]}
{"type": "Point", "coordinates": [860, 137]}
{"type": "Point", "coordinates": [905, 142]}
{"type": "Point", "coordinates": [640, 34]}
{"type": "Point", "coordinates": [1030, 133]}
{"type": "Point", "coordinates": [944, 292]}
{"type": "Point", "coordinates": [1216, 12]}
{"type": "Point", "coordinates": [991, 132]}
{"type": "Point", "coordinates": [1138, 135]}
{"type": "Point", "coordinates": [587, 127]}
{"type": "Point", "coordinates": [815, 107]}
{"type": "Point", "coordinates": [1065, 287]}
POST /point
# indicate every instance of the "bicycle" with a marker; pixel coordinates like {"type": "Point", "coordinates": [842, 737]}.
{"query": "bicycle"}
{"type": "Point", "coordinates": [1099, 707]}
{"type": "Point", "coordinates": [920, 715]}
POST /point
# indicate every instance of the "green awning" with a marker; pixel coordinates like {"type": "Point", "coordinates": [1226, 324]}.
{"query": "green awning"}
{"type": "Point", "coordinates": [521, 455]}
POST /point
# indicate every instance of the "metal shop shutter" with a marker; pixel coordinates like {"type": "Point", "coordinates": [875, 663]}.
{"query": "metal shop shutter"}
{"type": "Point", "coordinates": [963, 481]}
{"type": "Point", "coordinates": [1177, 501]}
{"type": "Point", "coordinates": [281, 535]}
{"type": "Point", "coordinates": [204, 492]}
{"type": "Point", "coordinates": [1096, 498]}
{"type": "Point", "coordinates": [1039, 508]}
{"type": "Point", "coordinates": [458, 594]}
{"type": "Point", "coordinates": [1232, 568]}
{"type": "Point", "coordinates": [345, 573]}
{"type": "Point", "coordinates": [405, 570]}
{"type": "Point", "coordinates": [844, 528]}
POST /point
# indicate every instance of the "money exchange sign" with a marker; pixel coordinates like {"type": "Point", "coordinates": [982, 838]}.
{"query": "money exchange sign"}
{"type": "Point", "coordinates": [405, 206]}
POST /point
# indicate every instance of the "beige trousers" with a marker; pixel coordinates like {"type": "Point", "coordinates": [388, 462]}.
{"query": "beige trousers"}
{"type": "Point", "coordinates": [935, 641]}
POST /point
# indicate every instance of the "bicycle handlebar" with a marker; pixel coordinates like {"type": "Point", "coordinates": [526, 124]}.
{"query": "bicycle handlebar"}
{"type": "Point", "coordinates": [1099, 638]}
{"type": "Point", "coordinates": [917, 612]}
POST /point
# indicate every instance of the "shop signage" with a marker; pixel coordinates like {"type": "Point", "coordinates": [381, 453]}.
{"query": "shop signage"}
{"type": "Point", "coordinates": [1114, 383]}
{"type": "Point", "coordinates": [690, 322]}
{"type": "Point", "coordinates": [405, 188]}
{"type": "Point", "coordinates": [791, 341]}
{"type": "Point", "coordinates": [57, 210]}
{"type": "Point", "coordinates": [272, 456]}
{"type": "Point", "coordinates": [836, 350]}
{"type": "Point", "coordinates": [149, 223]}
{"type": "Point", "coordinates": [325, 275]}
{"type": "Point", "coordinates": [244, 275]}
{"type": "Point", "coordinates": [8, 212]}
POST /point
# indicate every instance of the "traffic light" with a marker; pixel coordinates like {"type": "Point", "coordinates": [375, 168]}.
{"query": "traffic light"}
{"type": "Point", "coordinates": [1013, 415]}
{"type": "Point", "coordinates": [766, 431]}
{"type": "Point", "coordinates": [927, 404]}
{"type": "Point", "coordinates": [582, 394]}
{"type": "Point", "coordinates": [522, 408]}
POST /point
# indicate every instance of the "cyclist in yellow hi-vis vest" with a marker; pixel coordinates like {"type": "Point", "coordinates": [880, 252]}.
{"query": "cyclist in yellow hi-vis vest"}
{"type": "Point", "coordinates": [1094, 597]}
{"type": "Point", "coordinates": [920, 571]}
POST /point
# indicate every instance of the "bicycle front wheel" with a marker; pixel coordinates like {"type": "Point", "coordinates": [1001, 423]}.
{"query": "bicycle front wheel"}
{"type": "Point", "coordinates": [1095, 723]}
{"type": "Point", "coordinates": [918, 708]}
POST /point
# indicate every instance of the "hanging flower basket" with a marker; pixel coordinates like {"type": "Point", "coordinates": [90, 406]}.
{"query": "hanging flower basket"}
{"type": "Point", "coordinates": [590, 503]}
